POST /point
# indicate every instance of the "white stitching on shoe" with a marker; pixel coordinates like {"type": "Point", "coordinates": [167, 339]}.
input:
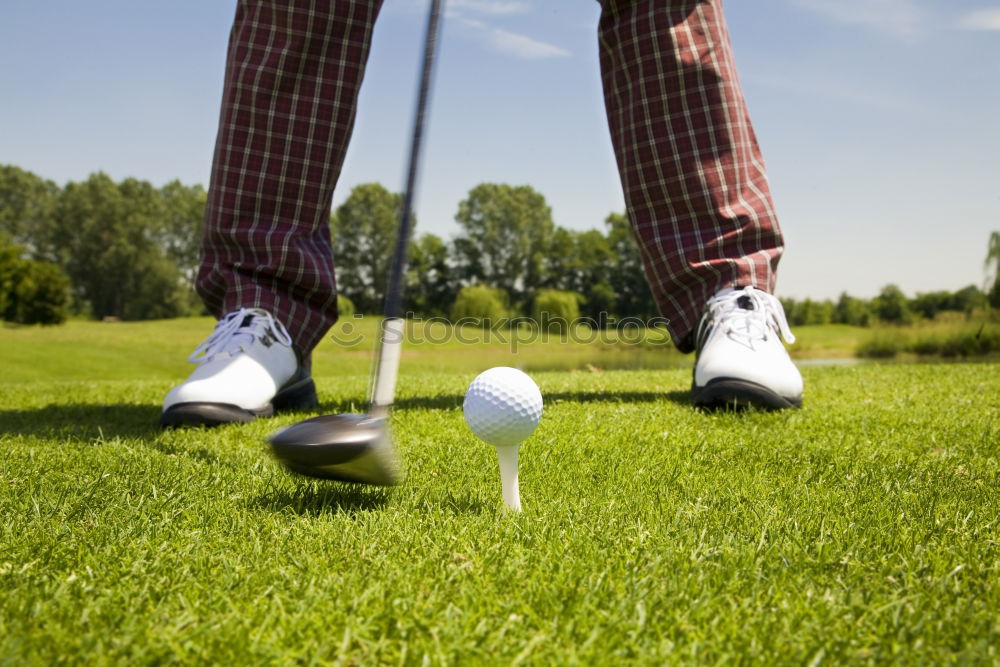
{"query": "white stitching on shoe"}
{"type": "Point", "coordinates": [231, 335]}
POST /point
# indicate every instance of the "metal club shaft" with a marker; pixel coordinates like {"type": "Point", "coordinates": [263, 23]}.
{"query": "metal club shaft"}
{"type": "Point", "coordinates": [393, 325]}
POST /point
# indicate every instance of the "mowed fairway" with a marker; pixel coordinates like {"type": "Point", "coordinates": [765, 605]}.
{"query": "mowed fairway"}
{"type": "Point", "coordinates": [863, 527]}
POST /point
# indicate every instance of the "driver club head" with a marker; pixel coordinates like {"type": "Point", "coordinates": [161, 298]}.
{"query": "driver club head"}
{"type": "Point", "coordinates": [348, 448]}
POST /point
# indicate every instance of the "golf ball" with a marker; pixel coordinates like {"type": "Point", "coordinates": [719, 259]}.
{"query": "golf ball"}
{"type": "Point", "coordinates": [502, 406]}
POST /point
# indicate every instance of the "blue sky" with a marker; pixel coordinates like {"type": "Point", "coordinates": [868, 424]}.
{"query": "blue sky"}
{"type": "Point", "coordinates": [879, 119]}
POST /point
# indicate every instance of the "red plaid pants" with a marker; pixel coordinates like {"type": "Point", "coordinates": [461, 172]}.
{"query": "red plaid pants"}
{"type": "Point", "coordinates": [693, 177]}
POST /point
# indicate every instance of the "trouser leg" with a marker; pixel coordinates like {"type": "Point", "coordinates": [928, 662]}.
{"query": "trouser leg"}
{"type": "Point", "coordinates": [693, 177]}
{"type": "Point", "coordinates": [292, 78]}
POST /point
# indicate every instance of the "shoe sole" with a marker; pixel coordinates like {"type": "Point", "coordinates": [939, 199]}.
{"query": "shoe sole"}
{"type": "Point", "coordinates": [736, 394]}
{"type": "Point", "coordinates": [295, 397]}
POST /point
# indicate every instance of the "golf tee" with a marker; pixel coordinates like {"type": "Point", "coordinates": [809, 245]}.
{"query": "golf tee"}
{"type": "Point", "coordinates": [507, 456]}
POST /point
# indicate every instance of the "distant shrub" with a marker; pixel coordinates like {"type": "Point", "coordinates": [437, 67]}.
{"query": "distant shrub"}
{"type": "Point", "coordinates": [971, 343]}
{"type": "Point", "coordinates": [882, 345]}
{"type": "Point", "coordinates": [965, 343]}
{"type": "Point", "coordinates": [481, 304]}
{"type": "Point", "coordinates": [345, 307]}
{"type": "Point", "coordinates": [554, 310]}
{"type": "Point", "coordinates": [31, 292]}
{"type": "Point", "coordinates": [927, 345]}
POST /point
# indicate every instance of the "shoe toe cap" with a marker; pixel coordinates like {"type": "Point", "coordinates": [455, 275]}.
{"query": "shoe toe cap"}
{"type": "Point", "coordinates": [770, 367]}
{"type": "Point", "coordinates": [245, 385]}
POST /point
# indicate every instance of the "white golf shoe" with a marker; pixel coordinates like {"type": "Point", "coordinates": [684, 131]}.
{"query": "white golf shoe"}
{"type": "Point", "coordinates": [246, 369]}
{"type": "Point", "coordinates": [740, 360]}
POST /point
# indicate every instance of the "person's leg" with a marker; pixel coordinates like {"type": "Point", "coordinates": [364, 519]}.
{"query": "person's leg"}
{"type": "Point", "coordinates": [293, 73]}
{"type": "Point", "coordinates": [697, 195]}
{"type": "Point", "coordinates": [692, 173]}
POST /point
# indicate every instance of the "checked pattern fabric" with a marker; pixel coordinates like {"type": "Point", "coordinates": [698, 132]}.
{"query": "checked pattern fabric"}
{"type": "Point", "coordinates": [694, 181]}
{"type": "Point", "coordinates": [692, 173]}
{"type": "Point", "coordinates": [293, 74]}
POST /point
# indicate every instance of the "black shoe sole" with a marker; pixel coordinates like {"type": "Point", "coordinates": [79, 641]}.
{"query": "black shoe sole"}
{"type": "Point", "coordinates": [298, 396]}
{"type": "Point", "coordinates": [735, 394]}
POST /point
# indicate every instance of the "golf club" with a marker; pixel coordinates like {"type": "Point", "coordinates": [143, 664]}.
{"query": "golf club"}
{"type": "Point", "coordinates": [358, 448]}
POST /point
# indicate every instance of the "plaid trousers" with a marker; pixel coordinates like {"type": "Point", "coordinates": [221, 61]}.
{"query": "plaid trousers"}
{"type": "Point", "coordinates": [693, 177]}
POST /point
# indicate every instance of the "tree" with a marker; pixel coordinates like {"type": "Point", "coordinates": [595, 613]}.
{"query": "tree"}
{"type": "Point", "coordinates": [582, 262]}
{"type": "Point", "coordinates": [992, 261]}
{"type": "Point", "coordinates": [850, 310]}
{"type": "Point", "coordinates": [967, 299]}
{"type": "Point", "coordinates": [816, 312]}
{"type": "Point", "coordinates": [627, 277]}
{"type": "Point", "coordinates": [429, 284]}
{"type": "Point", "coordinates": [364, 231]}
{"type": "Point", "coordinates": [506, 233]}
{"type": "Point", "coordinates": [106, 238]}
{"type": "Point", "coordinates": [891, 306]}
{"type": "Point", "coordinates": [561, 262]}
{"type": "Point", "coordinates": [31, 291]}
{"type": "Point", "coordinates": [929, 304]}
{"type": "Point", "coordinates": [179, 231]}
{"type": "Point", "coordinates": [26, 203]}
{"type": "Point", "coordinates": [10, 259]}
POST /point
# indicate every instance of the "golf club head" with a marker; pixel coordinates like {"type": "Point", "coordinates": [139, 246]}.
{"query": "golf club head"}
{"type": "Point", "coordinates": [348, 448]}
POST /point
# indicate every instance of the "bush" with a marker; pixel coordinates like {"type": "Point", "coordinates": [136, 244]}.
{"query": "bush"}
{"type": "Point", "coordinates": [971, 343]}
{"type": "Point", "coordinates": [966, 343]}
{"type": "Point", "coordinates": [882, 345]}
{"type": "Point", "coordinates": [483, 305]}
{"type": "Point", "coordinates": [927, 345]}
{"type": "Point", "coordinates": [345, 307]}
{"type": "Point", "coordinates": [40, 296]}
{"type": "Point", "coordinates": [554, 310]}
{"type": "Point", "coordinates": [31, 292]}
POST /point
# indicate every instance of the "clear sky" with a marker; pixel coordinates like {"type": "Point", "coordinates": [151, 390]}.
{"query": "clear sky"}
{"type": "Point", "coordinates": [879, 119]}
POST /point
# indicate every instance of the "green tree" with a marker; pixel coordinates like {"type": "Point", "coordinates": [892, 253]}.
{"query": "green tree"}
{"type": "Point", "coordinates": [31, 291]}
{"type": "Point", "coordinates": [816, 312]}
{"type": "Point", "coordinates": [506, 234]}
{"type": "Point", "coordinates": [929, 304]}
{"type": "Point", "coordinates": [851, 310]}
{"type": "Point", "coordinates": [992, 265]}
{"type": "Point", "coordinates": [583, 262]}
{"type": "Point", "coordinates": [891, 306]}
{"type": "Point", "coordinates": [41, 294]}
{"type": "Point", "coordinates": [561, 262]}
{"type": "Point", "coordinates": [10, 261]}
{"type": "Point", "coordinates": [106, 238]}
{"type": "Point", "coordinates": [179, 231]}
{"type": "Point", "coordinates": [430, 289]}
{"type": "Point", "coordinates": [967, 299]}
{"type": "Point", "coordinates": [627, 278]}
{"type": "Point", "coordinates": [364, 231]}
{"type": "Point", "coordinates": [26, 203]}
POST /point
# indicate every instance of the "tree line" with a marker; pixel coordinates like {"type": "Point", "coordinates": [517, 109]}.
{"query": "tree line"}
{"type": "Point", "coordinates": [129, 250]}
{"type": "Point", "coordinates": [891, 306]}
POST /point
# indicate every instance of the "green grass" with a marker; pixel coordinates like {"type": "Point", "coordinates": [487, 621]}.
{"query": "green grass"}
{"type": "Point", "coordinates": [860, 528]}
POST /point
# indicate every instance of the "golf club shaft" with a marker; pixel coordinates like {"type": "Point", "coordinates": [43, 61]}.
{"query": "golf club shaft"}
{"type": "Point", "coordinates": [393, 324]}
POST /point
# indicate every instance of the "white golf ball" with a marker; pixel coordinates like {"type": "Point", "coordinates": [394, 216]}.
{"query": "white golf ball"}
{"type": "Point", "coordinates": [502, 406]}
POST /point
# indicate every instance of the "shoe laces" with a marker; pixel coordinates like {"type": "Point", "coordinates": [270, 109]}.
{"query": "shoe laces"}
{"type": "Point", "coordinates": [748, 314]}
{"type": "Point", "coordinates": [237, 330]}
